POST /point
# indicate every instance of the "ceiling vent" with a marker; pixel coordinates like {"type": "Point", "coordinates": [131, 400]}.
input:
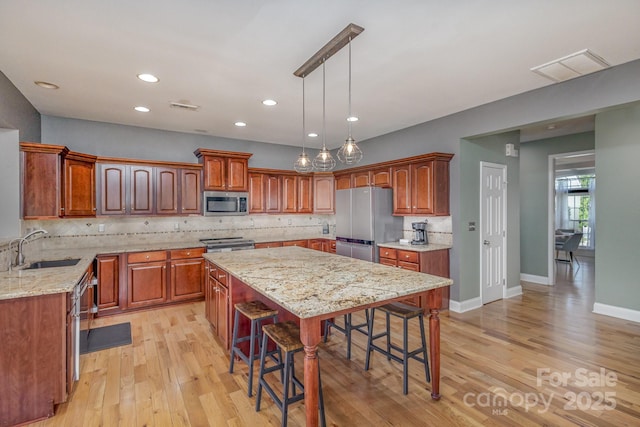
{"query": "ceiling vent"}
{"type": "Point", "coordinates": [184, 106]}
{"type": "Point", "coordinates": [570, 66]}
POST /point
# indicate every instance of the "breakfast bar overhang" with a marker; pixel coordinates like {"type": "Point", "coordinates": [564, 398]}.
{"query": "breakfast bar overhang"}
{"type": "Point", "coordinates": [310, 286]}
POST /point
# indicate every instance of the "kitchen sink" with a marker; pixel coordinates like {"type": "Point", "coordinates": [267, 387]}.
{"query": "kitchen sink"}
{"type": "Point", "coordinates": [53, 263]}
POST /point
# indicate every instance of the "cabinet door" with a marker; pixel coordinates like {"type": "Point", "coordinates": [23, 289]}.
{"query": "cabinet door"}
{"type": "Point", "coordinates": [299, 243]}
{"type": "Point", "coordinates": [166, 191]}
{"type": "Point", "coordinates": [237, 179]}
{"type": "Point", "coordinates": [187, 277]}
{"type": "Point", "coordinates": [401, 190]}
{"type": "Point", "coordinates": [190, 192]}
{"type": "Point", "coordinates": [266, 245]}
{"type": "Point", "coordinates": [141, 190]}
{"type": "Point", "coordinates": [79, 188]}
{"type": "Point", "coordinates": [222, 314]}
{"type": "Point", "coordinates": [215, 172]}
{"type": "Point", "coordinates": [108, 281]}
{"type": "Point", "coordinates": [147, 284]}
{"type": "Point", "coordinates": [256, 193]}
{"type": "Point", "coordinates": [289, 194]}
{"type": "Point", "coordinates": [388, 261]}
{"type": "Point", "coordinates": [381, 177]}
{"type": "Point", "coordinates": [422, 188]}
{"type": "Point", "coordinates": [305, 194]}
{"type": "Point", "coordinates": [272, 193]}
{"type": "Point", "coordinates": [323, 194]}
{"type": "Point", "coordinates": [343, 182]}
{"type": "Point", "coordinates": [41, 181]}
{"type": "Point", "coordinates": [361, 179]}
{"type": "Point", "coordinates": [441, 187]}
{"type": "Point", "coordinates": [316, 244]}
{"type": "Point", "coordinates": [113, 180]}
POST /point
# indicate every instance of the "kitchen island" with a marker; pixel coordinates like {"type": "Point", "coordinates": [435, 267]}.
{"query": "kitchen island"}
{"type": "Point", "coordinates": [312, 286]}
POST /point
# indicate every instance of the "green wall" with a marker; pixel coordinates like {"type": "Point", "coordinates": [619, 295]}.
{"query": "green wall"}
{"type": "Point", "coordinates": [618, 207]}
{"type": "Point", "coordinates": [534, 179]}
{"type": "Point", "coordinates": [472, 152]}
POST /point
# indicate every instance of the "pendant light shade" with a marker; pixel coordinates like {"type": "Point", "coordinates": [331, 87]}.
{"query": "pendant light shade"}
{"type": "Point", "coordinates": [350, 153]}
{"type": "Point", "coordinates": [324, 161]}
{"type": "Point", "coordinates": [303, 164]}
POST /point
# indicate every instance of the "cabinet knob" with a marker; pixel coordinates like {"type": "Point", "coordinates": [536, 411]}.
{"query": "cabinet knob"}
{"type": "Point", "coordinates": [188, 253]}
{"type": "Point", "coordinates": [147, 256]}
{"type": "Point", "coordinates": [406, 256]}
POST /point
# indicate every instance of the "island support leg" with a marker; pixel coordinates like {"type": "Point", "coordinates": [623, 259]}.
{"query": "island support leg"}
{"type": "Point", "coordinates": [310, 337]}
{"type": "Point", "coordinates": [434, 301]}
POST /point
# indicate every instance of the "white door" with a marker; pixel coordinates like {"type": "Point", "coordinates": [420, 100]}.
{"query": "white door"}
{"type": "Point", "coordinates": [493, 231]}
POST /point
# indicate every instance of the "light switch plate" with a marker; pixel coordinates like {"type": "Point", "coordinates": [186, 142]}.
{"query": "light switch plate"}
{"type": "Point", "coordinates": [472, 226]}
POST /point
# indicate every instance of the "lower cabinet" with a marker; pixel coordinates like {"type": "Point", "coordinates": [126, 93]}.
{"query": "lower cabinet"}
{"type": "Point", "coordinates": [108, 282]}
{"type": "Point", "coordinates": [187, 274]}
{"type": "Point", "coordinates": [217, 303]}
{"type": "Point", "coordinates": [430, 262]}
{"type": "Point", "coordinates": [146, 279]}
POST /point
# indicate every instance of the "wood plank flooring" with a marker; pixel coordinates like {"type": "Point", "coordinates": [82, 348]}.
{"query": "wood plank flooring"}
{"type": "Point", "coordinates": [176, 374]}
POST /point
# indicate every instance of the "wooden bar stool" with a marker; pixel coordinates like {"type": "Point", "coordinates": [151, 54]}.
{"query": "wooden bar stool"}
{"type": "Point", "coordinates": [348, 327]}
{"type": "Point", "coordinates": [256, 312]}
{"type": "Point", "coordinates": [404, 312]}
{"type": "Point", "coordinates": [286, 336]}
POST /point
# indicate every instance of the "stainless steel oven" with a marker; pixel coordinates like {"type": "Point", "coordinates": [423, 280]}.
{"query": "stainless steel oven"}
{"type": "Point", "coordinates": [225, 203]}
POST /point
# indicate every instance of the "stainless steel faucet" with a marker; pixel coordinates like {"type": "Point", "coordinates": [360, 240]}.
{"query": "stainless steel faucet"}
{"type": "Point", "coordinates": [21, 241]}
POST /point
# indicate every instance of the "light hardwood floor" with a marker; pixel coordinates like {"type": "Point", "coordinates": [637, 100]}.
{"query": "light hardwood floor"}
{"type": "Point", "coordinates": [176, 374]}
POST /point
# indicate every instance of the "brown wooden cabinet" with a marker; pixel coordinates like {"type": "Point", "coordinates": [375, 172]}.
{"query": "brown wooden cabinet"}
{"type": "Point", "coordinates": [323, 194]}
{"type": "Point", "coordinates": [315, 244]}
{"type": "Point", "coordinates": [141, 190]}
{"type": "Point", "coordinates": [224, 170]}
{"type": "Point", "coordinates": [361, 179]}
{"type": "Point", "coordinates": [343, 182]}
{"type": "Point", "coordinates": [113, 189]}
{"type": "Point", "coordinates": [217, 302]}
{"type": "Point", "coordinates": [272, 194]}
{"type": "Point", "coordinates": [289, 194]}
{"type": "Point", "coordinates": [266, 245]}
{"type": "Point", "coordinates": [299, 243]}
{"type": "Point", "coordinates": [430, 262]}
{"type": "Point", "coordinates": [381, 177]}
{"type": "Point", "coordinates": [166, 200]}
{"type": "Point", "coordinates": [187, 274]}
{"type": "Point", "coordinates": [146, 279]}
{"type": "Point", "coordinates": [191, 192]}
{"type": "Point", "coordinates": [108, 282]}
{"type": "Point", "coordinates": [79, 185]}
{"type": "Point", "coordinates": [256, 192]}
{"type": "Point", "coordinates": [421, 188]}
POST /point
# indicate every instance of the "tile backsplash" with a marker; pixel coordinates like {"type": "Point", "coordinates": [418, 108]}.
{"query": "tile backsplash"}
{"type": "Point", "coordinates": [439, 228]}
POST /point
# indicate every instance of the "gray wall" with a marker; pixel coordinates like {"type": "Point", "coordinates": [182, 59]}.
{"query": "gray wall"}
{"type": "Point", "coordinates": [112, 140]}
{"type": "Point", "coordinates": [16, 112]}
{"type": "Point", "coordinates": [472, 152]}
{"type": "Point", "coordinates": [534, 203]}
{"type": "Point", "coordinates": [618, 207]}
{"type": "Point", "coordinates": [19, 121]}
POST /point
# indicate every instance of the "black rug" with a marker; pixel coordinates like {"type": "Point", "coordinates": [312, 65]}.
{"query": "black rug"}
{"type": "Point", "coordinates": [106, 337]}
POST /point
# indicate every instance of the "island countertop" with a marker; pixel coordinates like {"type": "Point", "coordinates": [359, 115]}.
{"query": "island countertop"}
{"type": "Point", "coordinates": [309, 283]}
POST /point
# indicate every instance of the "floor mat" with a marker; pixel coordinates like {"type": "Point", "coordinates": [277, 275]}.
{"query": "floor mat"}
{"type": "Point", "coordinates": [105, 337]}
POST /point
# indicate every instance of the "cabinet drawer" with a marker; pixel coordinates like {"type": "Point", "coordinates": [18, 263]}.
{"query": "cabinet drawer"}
{"type": "Point", "coordinates": [408, 265]}
{"type": "Point", "coordinates": [146, 257]}
{"type": "Point", "coordinates": [187, 253]}
{"type": "Point", "coordinates": [408, 256]}
{"type": "Point", "coordinates": [299, 243]}
{"type": "Point", "coordinates": [387, 261]}
{"type": "Point", "coordinates": [222, 276]}
{"type": "Point", "coordinates": [267, 245]}
{"type": "Point", "coordinates": [388, 253]}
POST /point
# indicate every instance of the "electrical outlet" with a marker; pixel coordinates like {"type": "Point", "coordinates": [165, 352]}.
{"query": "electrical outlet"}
{"type": "Point", "coordinates": [289, 221]}
{"type": "Point", "coordinates": [101, 228]}
{"type": "Point", "coordinates": [472, 226]}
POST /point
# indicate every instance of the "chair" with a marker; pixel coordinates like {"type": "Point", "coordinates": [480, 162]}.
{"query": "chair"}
{"type": "Point", "coordinates": [569, 246]}
{"type": "Point", "coordinates": [346, 330]}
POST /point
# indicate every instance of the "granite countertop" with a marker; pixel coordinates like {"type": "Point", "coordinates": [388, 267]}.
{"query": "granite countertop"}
{"type": "Point", "coordinates": [309, 283]}
{"type": "Point", "coordinates": [414, 248]}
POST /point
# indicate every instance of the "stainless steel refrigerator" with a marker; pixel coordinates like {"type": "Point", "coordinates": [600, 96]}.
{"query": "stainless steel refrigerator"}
{"type": "Point", "coordinates": [363, 219]}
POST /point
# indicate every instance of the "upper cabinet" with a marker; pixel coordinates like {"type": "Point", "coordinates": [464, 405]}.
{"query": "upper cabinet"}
{"type": "Point", "coordinates": [324, 193]}
{"type": "Point", "coordinates": [149, 188]}
{"type": "Point", "coordinates": [280, 191]}
{"type": "Point", "coordinates": [422, 187]}
{"type": "Point", "coordinates": [224, 170]}
{"type": "Point", "coordinates": [56, 182]}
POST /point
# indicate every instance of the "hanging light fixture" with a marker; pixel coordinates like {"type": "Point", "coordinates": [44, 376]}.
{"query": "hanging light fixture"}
{"type": "Point", "coordinates": [350, 153]}
{"type": "Point", "coordinates": [303, 164]}
{"type": "Point", "coordinates": [324, 161]}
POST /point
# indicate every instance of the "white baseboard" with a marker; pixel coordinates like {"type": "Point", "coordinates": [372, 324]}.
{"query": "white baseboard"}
{"type": "Point", "coordinates": [514, 291]}
{"type": "Point", "coordinates": [619, 312]}
{"type": "Point", "coordinates": [467, 305]}
{"type": "Point", "coordinates": [540, 280]}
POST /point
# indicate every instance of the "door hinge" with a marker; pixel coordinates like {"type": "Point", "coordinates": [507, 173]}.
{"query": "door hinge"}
{"type": "Point", "coordinates": [504, 283]}
{"type": "Point", "coordinates": [504, 233]}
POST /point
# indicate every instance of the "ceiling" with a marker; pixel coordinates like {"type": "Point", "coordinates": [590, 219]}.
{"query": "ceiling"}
{"type": "Point", "coordinates": [415, 61]}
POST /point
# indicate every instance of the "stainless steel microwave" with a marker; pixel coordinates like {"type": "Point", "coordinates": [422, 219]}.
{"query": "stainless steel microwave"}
{"type": "Point", "coordinates": [218, 203]}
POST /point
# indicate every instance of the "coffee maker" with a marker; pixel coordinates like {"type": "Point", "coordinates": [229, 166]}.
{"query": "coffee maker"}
{"type": "Point", "coordinates": [419, 233]}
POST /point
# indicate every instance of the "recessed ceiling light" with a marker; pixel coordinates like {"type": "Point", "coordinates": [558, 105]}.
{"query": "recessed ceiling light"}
{"type": "Point", "coordinates": [269, 102]}
{"type": "Point", "coordinates": [149, 78]}
{"type": "Point", "coordinates": [312, 135]}
{"type": "Point", "coordinates": [352, 119]}
{"type": "Point", "coordinates": [142, 109]}
{"type": "Point", "coordinates": [46, 85]}
{"type": "Point", "coordinates": [240, 124]}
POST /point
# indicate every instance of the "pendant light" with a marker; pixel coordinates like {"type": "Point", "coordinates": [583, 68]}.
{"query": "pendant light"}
{"type": "Point", "coordinates": [350, 153]}
{"type": "Point", "coordinates": [303, 164]}
{"type": "Point", "coordinates": [324, 161]}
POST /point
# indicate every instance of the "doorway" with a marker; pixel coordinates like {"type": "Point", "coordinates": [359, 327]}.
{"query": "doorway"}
{"type": "Point", "coordinates": [493, 231]}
